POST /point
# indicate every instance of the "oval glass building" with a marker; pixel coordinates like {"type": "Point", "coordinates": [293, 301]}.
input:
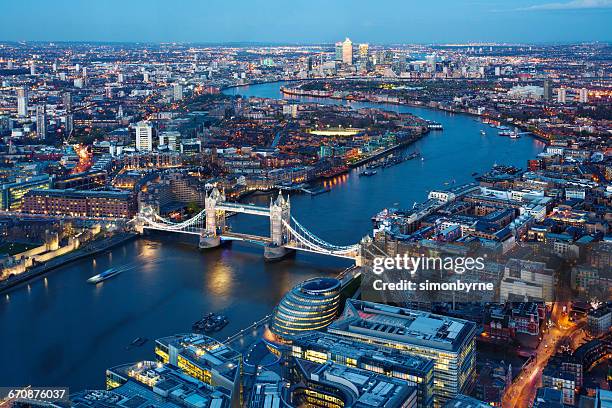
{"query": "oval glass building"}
{"type": "Point", "coordinates": [311, 305]}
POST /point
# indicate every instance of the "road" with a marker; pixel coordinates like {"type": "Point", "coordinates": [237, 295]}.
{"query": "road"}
{"type": "Point", "coordinates": [522, 391]}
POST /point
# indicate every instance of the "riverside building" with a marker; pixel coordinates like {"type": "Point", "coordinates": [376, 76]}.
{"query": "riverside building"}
{"type": "Point", "coordinates": [202, 358]}
{"type": "Point", "coordinates": [80, 203]}
{"type": "Point", "coordinates": [448, 341]}
{"type": "Point", "coordinates": [311, 305]}
{"type": "Point", "coordinates": [324, 347]}
{"type": "Point", "coordinates": [152, 384]}
{"type": "Point", "coordinates": [336, 386]}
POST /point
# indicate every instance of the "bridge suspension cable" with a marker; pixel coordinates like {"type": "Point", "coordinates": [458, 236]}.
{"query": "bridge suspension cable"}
{"type": "Point", "coordinates": [196, 221]}
{"type": "Point", "coordinates": [316, 244]}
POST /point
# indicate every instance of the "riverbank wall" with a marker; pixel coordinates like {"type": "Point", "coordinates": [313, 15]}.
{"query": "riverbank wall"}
{"type": "Point", "coordinates": [89, 249]}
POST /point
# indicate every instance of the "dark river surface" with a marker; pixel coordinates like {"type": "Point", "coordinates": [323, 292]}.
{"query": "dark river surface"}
{"type": "Point", "coordinates": [62, 331]}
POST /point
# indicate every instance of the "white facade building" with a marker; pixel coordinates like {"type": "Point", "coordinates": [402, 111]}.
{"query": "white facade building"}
{"type": "Point", "coordinates": [144, 137]}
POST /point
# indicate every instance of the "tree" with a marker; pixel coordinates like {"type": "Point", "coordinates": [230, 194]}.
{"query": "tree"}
{"type": "Point", "coordinates": [193, 208]}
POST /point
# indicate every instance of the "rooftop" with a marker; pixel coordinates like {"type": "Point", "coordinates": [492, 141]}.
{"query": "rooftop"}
{"type": "Point", "coordinates": [359, 388]}
{"type": "Point", "coordinates": [405, 326]}
{"type": "Point", "coordinates": [204, 351]}
{"type": "Point", "coordinates": [80, 193]}
{"type": "Point", "coordinates": [355, 349]}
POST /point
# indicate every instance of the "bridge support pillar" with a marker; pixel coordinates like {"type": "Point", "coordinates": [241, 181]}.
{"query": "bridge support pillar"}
{"type": "Point", "coordinates": [280, 213]}
{"type": "Point", "coordinates": [276, 253]}
{"type": "Point", "coordinates": [209, 241]}
{"type": "Point", "coordinates": [139, 226]}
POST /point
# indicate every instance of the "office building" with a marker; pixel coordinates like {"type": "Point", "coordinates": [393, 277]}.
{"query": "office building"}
{"type": "Point", "coordinates": [322, 348]}
{"type": "Point", "coordinates": [22, 102]}
{"type": "Point", "coordinates": [338, 51]}
{"type": "Point", "coordinates": [41, 121]}
{"type": "Point", "coordinates": [144, 136]}
{"type": "Point", "coordinates": [170, 138]}
{"type": "Point", "coordinates": [12, 193]}
{"type": "Point", "coordinates": [267, 391]}
{"type": "Point", "coordinates": [202, 358]}
{"type": "Point", "coordinates": [347, 52]}
{"type": "Point", "coordinates": [311, 305]}
{"type": "Point", "coordinates": [152, 384]}
{"type": "Point", "coordinates": [463, 401]}
{"type": "Point", "coordinates": [364, 51]}
{"type": "Point", "coordinates": [450, 342]}
{"type": "Point", "coordinates": [548, 398]}
{"type": "Point", "coordinates": [583, 95]}
{"type": "Point", "coordinates": [338, 386]}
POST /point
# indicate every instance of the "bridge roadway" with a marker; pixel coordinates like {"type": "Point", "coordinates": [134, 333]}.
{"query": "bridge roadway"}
{"type": "Point", "coordinates": [227, 235]}
{"type": "Point", "coordinates": [244, 209]}
{"type": "Point", "coordinates": [235, 236]}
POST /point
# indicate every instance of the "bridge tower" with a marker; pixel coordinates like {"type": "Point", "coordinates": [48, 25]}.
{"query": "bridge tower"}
{"type": "Point", "coordinates": [280, 214]}
{"type": "Point", "coordinates": [280, 210]}
{"type": "Point", "coordinates": [215, 220]}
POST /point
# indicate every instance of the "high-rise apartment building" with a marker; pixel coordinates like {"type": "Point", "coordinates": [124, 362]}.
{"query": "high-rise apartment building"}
{"type": "Point", "coordinates": [547, 90]}
{"type": "Point", "coordinates": [177, 92]}
{"type": "Point", "coordinates": [562, 95]}
{"type": "Point", "coordinates": [144, 136]}
{"type": "Point", "coordinates": [67, 101]}
{"type": "Point", "coordinates": [41, 121]}
{"type": "Point", "coordinates": [69, 122]}
{"type": "Point", "coordinates": [22, 102]}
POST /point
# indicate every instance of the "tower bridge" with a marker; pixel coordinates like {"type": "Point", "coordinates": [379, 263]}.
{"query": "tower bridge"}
{"type": "Point", "coordinates": [286, 233]}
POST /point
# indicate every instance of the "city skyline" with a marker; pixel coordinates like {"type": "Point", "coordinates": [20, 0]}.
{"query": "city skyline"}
{"type": "Point", "coordinates": [312, 22]}
{"type": "Point", "coordinates": [210, 219]}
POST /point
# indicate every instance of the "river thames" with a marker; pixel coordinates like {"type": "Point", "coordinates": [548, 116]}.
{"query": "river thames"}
{"type": "Point", "coordinates": [61, 331]}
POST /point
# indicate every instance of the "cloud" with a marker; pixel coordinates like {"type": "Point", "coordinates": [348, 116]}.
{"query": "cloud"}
{"type": "Point", "coordinates": [570, 5]}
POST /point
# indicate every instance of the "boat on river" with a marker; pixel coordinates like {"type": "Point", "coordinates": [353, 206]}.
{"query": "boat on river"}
{"type": "Point", "coordinates": [212, 322]}
{"type": "Point", "coordinates": [107, 274]}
